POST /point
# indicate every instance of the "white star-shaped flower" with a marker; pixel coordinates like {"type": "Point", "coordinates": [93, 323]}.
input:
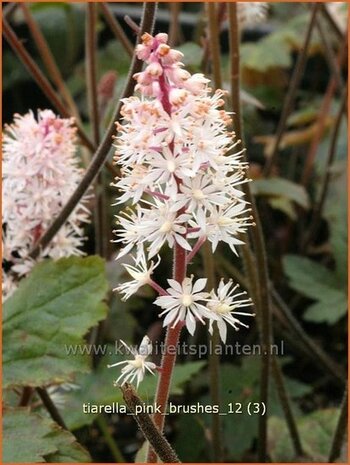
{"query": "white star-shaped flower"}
{"type": "Point", "coordinates": [141, 272]}
{"type": "Point", "coordinates": [185, 302]}
{"type": "Point", "coordinates": [136, 368]}
{"type": "Point", "coordinates": [223, 304]}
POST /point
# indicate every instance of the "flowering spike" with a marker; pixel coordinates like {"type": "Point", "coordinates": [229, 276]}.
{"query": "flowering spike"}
{"type": "Point", "coordinates": [40, 172]}
{"type": "Point", "coordinates": [180, 172]}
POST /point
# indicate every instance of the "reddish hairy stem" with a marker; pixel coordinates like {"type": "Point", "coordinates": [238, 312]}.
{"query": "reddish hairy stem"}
{"type": "Point", "coordinates": [169, 357]}
{"type": "Point", "coordinates": [173, 333]}
{"type": "Point", "coordinates": [157, 288]}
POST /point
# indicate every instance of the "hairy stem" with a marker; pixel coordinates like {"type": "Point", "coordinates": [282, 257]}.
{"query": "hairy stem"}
{"type": "Point", "coordinates": [147, 425]}
{"type": "Point", "coordinates": [116, 28]}
{"type": "Point", "coordinates": [169, 357]}
{"type": "Point", "coordinates": [102, 151]}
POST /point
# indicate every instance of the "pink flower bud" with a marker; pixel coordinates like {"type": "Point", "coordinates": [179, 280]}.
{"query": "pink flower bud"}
{"type": "Point", "coordinates": [154, 69]}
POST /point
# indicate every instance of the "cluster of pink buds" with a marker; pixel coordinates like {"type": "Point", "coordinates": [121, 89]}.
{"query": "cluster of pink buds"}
{"type": "Point", "coordinates": [182, 180]}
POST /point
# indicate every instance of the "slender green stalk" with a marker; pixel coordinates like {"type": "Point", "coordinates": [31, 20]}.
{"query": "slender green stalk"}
{"type": "Point", "coordinates": [288, 103]}
{"type": "Point", "coordinates": [40, 79]}
{"type": "Point", "coordinates": [338, 439]}
{"type": "Point", "coordinates": [102, 151]}
{"type": "Point", "coordinates": [116, 28]}
{"type": "Point", "coordinates": [51, 407]}
{"type": "Point", "coordinates": [113, 446]}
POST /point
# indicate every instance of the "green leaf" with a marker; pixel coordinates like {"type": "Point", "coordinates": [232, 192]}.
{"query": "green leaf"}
{"type": "Point", "coordinates": [279, 187]}
{"type": "Point", "coordinates": [329, 310]}
{"type": "Point", "coordinates": [29, 438]}
{"type": "Point", "coordinates": [51, 310]}
{"type": "Point", "coordinates": [308, 277]}
{"type": "Point", "coordinates": [97, 388]}
{"type": "Point", "coordinates": [316, 282]}
{"type": "Point", "coordinates": [284, 205]}
{"type": "Point", "coordinates": [241, 384]}
{"type": "Point", "coordinates": [265, 54]}
{"type": "Point", "coordinates": [316, 431]}
{"type": "Point", "coordinates": [339, 244]}
{"type": "Point", "coordinates": [192, 55]}
{"type": "Point", "coordinates": [141, 455]}
{"type": "Point", "coordinates": [191, 432]}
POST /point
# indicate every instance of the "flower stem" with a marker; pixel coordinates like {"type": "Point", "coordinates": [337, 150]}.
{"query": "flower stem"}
{"type": "Point", "coordinates": [169, 356]}
{"type": "Point", "coordinates": [116, 28]}
{"type": "Point", "coordinates": [157, 288]}
{"type": "Point", "coordinates": [195, 249]}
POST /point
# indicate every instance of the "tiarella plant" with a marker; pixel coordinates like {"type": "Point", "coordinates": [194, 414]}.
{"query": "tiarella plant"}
{"type": "Point", "coordinates": [181, 178]}
{"type": "Point", "coordinates": [40, 172]}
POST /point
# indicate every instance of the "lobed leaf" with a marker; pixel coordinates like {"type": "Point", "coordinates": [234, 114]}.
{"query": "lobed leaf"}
{"type": "Point", "coordinates": [52, 309]}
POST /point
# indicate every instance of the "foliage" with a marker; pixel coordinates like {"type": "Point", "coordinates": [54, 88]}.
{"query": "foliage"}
{"type": "Point", "coordinates": [50, 311]}
{"type": "Point", "coordinates": [316, 431]}
{"type": "Point", "coordinates": [37, 439]}
{"type": "Point", "coordinates": [318, 283]}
